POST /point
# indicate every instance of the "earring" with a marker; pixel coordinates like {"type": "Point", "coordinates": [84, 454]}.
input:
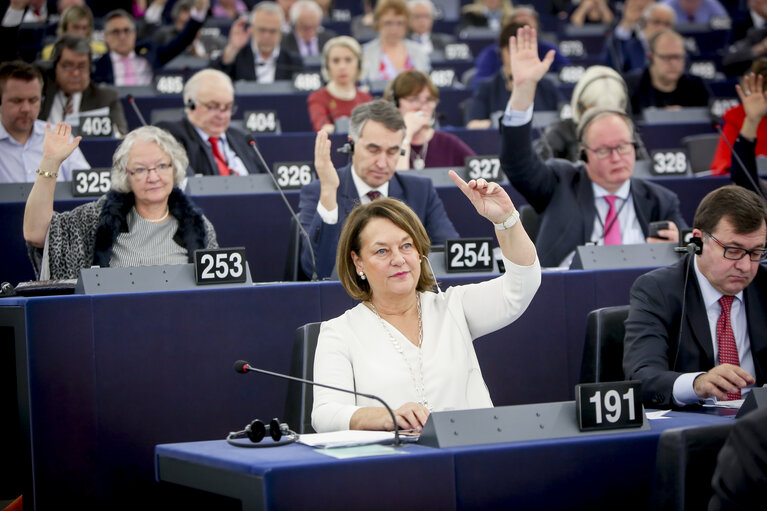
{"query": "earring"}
{"type": "Point", "coordinates": [362, 275]}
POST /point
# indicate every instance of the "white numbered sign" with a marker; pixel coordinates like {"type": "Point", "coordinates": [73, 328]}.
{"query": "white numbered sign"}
{"type": "Point", "coordinates": [220, 266]}
{"type": "Point", "coordinates": [571, 74]}
{"type": "Point", "coordinates": [572, 48]}
{"type": "Point", "coordinates": [720, 105]}
{"type": "Point", "coordinates": [307, 81]}
{"type": "Point", "coordinates": [487, 167]}
{"type": "Point", "coordinates": [293, 175]}
{"type": "Point", "coordinates": [457, 51]}
{"type": "Point", "coordinates": [91, 182]}
{"type": "Point", "coordinates": [98, 126]}
{"type": "Point", "coordinates": [668, 162]}
{"type": "Point", "coordinates": [261, 121]}
{"type": "Point", "coordinates": [469, 255]}
{"type": "Point", "coordinates": [609, 405]}
{"type": "Point", "coordinates": [169, 84]}
{"type": "Point", "coordinates": [705, 69]}
{"type": "Point", "coordinates": [442, 77]}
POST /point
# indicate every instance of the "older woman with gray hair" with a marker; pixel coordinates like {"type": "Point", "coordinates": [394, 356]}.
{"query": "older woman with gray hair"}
{"type": "Point", "coordinates": [144, 220]}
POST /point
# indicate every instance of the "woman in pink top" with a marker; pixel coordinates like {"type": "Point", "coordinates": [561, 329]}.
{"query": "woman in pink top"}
{"type": "Point", "coordinates": [341, 67]}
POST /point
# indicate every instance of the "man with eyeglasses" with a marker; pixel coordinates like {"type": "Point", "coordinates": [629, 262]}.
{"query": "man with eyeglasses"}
{"type": "Point", "coordinates": [253, 52]}
{"type": "Point", "coordinates": [664, 82]}
{"type": "Point", "coordinates": [593, 201]}
{"type": "Point", "coordinates": [129, 63]}
{"type": "Point", "coordinates": [214, 147]}
{"type": "Point", "coordinates": [696, 329]}
{"type": "Point", "coordinates": [21, 135]}
{"type": "Point", "coordinates": [69, 89]}
{"type": "Point", "coordinates": [376, 136]}
{"type": "Point", "coordinates": [627, 46]}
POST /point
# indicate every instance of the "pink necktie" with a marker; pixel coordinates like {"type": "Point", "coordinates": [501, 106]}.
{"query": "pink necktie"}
{"type": "Point", "coordinates": [728, 350]}
{"type": "Point", "coordinates": [612, 225]}
{"type": "Point", "coordinates": [130, 74]}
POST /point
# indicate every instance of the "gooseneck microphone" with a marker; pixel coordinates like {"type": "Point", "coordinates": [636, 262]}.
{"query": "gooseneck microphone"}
{"type": "Point", "coordinates": [132, 103]}
{"type": "Point", "coordinates": [305, 234]}
{"type": "Point", "coordinates": [241, 366]}
{"type": "Point", "coordinates": [757, 188]}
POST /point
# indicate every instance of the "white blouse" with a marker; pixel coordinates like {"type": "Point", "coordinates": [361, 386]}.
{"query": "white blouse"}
{"type": "Point", "coordinates": [354, 350]}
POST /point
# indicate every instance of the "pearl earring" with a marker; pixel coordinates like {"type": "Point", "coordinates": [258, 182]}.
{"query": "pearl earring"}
{"type": "Point", "coordinates": [362, 275]}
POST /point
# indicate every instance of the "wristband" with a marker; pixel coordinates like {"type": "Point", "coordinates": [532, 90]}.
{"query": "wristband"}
{"type": "Point", "coordinates": [46, 173]}
{"type": "Point", "coordinates": [509, 222]}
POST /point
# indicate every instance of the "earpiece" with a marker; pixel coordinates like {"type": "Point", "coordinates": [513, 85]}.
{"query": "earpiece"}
{"type": "Point", "coordinates": [256, 431]}
{"type": "Point", "coordinates": [190, 104]}
{"type": "Point", "coordinates": [347, 148]}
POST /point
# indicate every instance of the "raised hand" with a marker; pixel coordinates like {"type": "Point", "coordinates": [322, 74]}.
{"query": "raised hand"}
{"type": "Point", "coordinates": [56, 145]}
{"type": "Point", "coordinates": [239, 34]}
{"type": "Point", "coordinates": [490, 199]}
{"type": "Point", "coordinates": [526, 67]}
{"type": "Point", "coordinates": [752, 97]}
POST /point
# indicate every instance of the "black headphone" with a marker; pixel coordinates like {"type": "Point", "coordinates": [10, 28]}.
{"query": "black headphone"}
{"type": "Point", "coordinates": [590, 116]}
{"type": "Point", "coordinates": [389, 94]}
{"type": "Point", "coordinates": [347, 148]}
{"type": "Point", "coordinates": [190, 104]}
{"type": "Point", "coordinates": [694, 246]}
{"type": "Point", "coordinates": [256, 431]}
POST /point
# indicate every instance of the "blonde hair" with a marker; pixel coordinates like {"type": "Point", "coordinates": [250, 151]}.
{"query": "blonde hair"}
{"type": "Point", "coordinates": [599, 86]}
{"type": "Point", "coordinates": [346, 42]}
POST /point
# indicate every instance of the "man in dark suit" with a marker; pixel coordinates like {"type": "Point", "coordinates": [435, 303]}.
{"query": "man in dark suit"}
{"type": "Point", "coordinates": [721, 348]}
{"type": "Point", "coordinates": [595, 200]}
{"type": "Point", "coordinates": [307, 36]}
{"type": "Point", "coordinates": [258, 58]}
{"type": "Point", "coordinates": [421, 24]}
{"type": "Point", "coordinates": [213, 146]}
{"type": "Point", "coordinates": [130, 64]}
{"type": "Point", "coordinates": [376, 135]}
{"type": "Point", "coordinates": [68, 87]}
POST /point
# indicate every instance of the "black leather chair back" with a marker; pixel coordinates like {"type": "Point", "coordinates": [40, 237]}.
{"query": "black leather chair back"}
{"type": "Point", "coordinates": [298, 405]}
{"type": "Point", "coordinates": [603, 348]}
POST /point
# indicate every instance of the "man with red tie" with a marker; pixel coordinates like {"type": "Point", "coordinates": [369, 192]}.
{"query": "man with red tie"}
{"type": "Point", "coordinates": [696, 329]}
{"type": "Point", "coordinates": [592, 201]}
{"type": "Point", "coordinates": [213, 145]}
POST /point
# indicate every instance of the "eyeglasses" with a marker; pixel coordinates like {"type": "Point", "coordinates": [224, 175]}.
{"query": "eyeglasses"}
{"type": "Point", "coordinates": [121, 31]}
{"type": "Point", "coordinates": [160, 168]}
{"type": "Point", "coordinates": [737, 253]}
{"type": "Point", "coordinates": [394, 24]}
{"type": "Point", "coordinates": [670, 58]}
{"type": "Point", "coordinates": [416, 101]}
{"type": "Point", "coordinates": [228, 108]}
{"type": "Point", "coordinates": [665, 23]}
{"type": "Point", "coordinates": [265, 30]}
{"type": "Point", "coordinates": [70, 66]}
{"type": "Point", "coordinates": [622, 149]}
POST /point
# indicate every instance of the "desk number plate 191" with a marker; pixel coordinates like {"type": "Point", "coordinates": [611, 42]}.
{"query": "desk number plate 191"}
{"type": "Point", "coordinates": [469, 255]}
{"type": "Point", "coordinates": [219, 266]}
{"type": "Point", "coordinates": [609, 405]}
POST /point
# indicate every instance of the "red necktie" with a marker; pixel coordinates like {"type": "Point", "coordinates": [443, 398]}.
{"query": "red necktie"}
{"type": "Point", "coordinates": [223, 168]}
{"type": "Point", "coordinates": [728, 351]}
{"type": "Point", "coordinates": [612, 224]}
{"type": "Point", "coordinates": [373, 195]}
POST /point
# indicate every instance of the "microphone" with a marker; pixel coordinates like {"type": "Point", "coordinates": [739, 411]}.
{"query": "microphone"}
{"type": "Point", "coordinates": [252, 144]}
{"type": "Point", "coordinates": [241, 366]}
{"type": "Point", "coordinates": [439, 290]}
{"type": "Point", "coordinates": [756, 187]}
{"type": "Point", "coordinates": [132, 103]}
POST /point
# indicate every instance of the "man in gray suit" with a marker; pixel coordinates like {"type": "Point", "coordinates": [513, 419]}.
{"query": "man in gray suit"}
{"type": "Point", "coordinates": [69, 89]}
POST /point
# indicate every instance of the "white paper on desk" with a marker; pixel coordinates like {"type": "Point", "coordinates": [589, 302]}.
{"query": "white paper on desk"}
{"type": "Point", "coordinates": [658, 414]}
{"type": "Point", "coordinates": [734, 404]}
{"type": "Point", "coordinates": [346, 438]}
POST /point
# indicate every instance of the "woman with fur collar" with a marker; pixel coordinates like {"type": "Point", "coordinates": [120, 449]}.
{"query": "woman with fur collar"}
{"type": "Point", "coordinates": [144, 220]}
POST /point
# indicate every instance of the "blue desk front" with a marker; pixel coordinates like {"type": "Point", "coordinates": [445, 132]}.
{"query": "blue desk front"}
{"type": "Point", "coordinates": [610, 471]}
{"type": "Point", "coordinates": [105, 378]}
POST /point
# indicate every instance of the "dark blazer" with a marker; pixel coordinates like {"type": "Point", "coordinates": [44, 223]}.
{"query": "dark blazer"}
{"type": "Point", "coordinates": [624, 55]}
{"type": "Point", "coordinates": [561, 192]}
{"type": "Point", "coordinates": [738, 481]}
{"type": "Point", "coordinates": [652, 330]}
{"type": "Point", "coordinates": [417, 192]}
{"type": "Point", "coordinates": [156, 54]}
{"type": "Point", "coordinates": [740, 174]}
{"type": "Point", "coordinates": [200, 156]}
{"type": "Point", "coordinates": [491, 95]}
{"type": "Point", "coordinates": [244, 65]}
{"type": "Point", "coordinates": [290, 43]}
{"type": "Point", "coordinates": [94, 96]}
{"type": "Point", "coordinates": [690, 91]}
